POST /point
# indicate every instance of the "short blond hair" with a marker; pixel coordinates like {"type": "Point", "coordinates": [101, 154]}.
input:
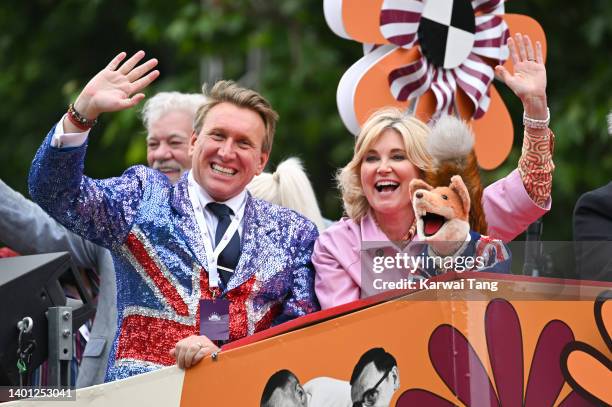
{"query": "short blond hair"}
{"type": "Point", "coordinates": [414, 133]}
{"type": "Point", "coordinates": [229, 91]}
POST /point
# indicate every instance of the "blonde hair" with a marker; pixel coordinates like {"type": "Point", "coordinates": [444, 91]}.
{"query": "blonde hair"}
{"type": "Point", "coordinates": [229, 91]}
{"type": "Point", "coordinates": [289, 186]}
{"type": "Point", "coordinates": [414, 134]}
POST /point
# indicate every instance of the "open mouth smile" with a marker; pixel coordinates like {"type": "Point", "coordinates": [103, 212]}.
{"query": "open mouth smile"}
{"type": "Point", "coordinates": [386, 186]}
{"type": "Point", "coordinates": [223, 170]}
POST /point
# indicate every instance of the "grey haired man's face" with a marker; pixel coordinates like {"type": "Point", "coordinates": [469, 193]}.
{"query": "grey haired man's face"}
{"type": "Point", "coordinates": [168, 144]}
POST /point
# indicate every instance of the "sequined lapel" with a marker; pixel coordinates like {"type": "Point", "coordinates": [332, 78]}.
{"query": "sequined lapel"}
{"type": "Point", "coordinates": [185, 222]}
{"type": "Point", "coordinates": [254, 244]}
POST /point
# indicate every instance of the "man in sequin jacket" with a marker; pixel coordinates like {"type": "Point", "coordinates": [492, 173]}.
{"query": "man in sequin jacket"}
{"type": "Point", "coordinates": [168, 119]}
{"type": "Point", "coordinates": [160, 234]}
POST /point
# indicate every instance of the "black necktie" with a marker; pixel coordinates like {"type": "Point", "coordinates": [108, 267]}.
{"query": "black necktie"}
{"type": "Point", "coordinates": [228, 259]}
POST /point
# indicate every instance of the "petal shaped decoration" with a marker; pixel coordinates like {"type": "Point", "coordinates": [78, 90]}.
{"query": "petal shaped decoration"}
{"type": "Point", "coordinates": [420, 397]}
{"type": "Point", "coordinates": [430, 57]}
{"type": "Point", "coordinates": [545, 378]}
{"type": "Point", "coordinates": [591, 373]}
{"type": "Point", "coordinates": [518, 23]}
{"type": "Point", "coordinates": [399, 21]}
{"type": "Point", "coordinates": [587, 370]}
{"type": "Point", "coordinates": [363, 87]}
{"type": "Point", "coordinates": [494, 133]}
{"type": "Point", "coordinates": [505, 345]}
{"type": "Point", "coordinates": [458, 365]}
{"type": "Point", "coordinates": [355, 19]}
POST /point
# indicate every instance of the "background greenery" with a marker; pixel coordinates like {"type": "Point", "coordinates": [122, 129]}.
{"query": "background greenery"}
{"type": "Point", "coordinates": [49, 49]}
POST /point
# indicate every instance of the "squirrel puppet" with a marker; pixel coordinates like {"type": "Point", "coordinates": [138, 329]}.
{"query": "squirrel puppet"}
{"type": "Point", "coordinates": [448, 204]}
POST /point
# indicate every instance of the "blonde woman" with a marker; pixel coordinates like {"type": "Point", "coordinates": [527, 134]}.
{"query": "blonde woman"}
{"type": "Point", "coordinates": [390, 151]}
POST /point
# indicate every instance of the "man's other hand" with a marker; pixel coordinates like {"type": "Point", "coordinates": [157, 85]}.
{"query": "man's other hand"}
{"type": "Point", "coordinates": [189, 351]}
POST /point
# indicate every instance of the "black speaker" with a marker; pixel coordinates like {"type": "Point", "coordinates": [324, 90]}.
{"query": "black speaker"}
{"type": "Point", "coordinates": [29, 285]}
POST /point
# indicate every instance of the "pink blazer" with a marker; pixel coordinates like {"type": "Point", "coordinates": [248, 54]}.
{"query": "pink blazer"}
{"type": "Point", "coordinates": [336, 257]}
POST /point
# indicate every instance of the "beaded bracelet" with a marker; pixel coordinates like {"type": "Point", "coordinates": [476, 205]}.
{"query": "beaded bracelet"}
{"type": "Point", "coordinates": [535, 123]}
{"type": "Point", "coordinates": [79, 120]}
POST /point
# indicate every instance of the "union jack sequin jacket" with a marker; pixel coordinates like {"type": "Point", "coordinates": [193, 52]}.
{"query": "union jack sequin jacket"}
{"type": "Point", "coordinates": [150, 228]}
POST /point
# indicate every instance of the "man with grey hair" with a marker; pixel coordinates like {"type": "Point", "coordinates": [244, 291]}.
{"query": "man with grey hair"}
{"type": "Point", "coordinates": [168, 118]}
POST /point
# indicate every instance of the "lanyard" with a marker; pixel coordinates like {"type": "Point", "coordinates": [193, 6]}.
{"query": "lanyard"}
{"type": "Point", "coordinates": [212, 256]}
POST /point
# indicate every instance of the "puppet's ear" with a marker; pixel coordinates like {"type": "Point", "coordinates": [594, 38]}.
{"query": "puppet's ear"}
{"type": "Point", "coordinates": [416, 184]}
{"type": "Point", "coordinates": [459, 187]}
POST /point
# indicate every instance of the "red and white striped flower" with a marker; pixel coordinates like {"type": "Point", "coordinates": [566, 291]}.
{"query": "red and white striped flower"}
{"type": "Point", "coordinates": [454, 36]}
{"type": "Point", "coordinates": [430, 57]}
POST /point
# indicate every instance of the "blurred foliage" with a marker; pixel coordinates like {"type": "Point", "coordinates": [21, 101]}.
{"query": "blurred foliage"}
{"type": "Point", "coordinates": [50, 48]}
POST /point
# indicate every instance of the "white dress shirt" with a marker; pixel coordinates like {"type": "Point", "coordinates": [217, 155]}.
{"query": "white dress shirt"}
{"type": "Point", "coordinates": [66, 140]}
{"type": "Point", "coordinates": [202, 199]}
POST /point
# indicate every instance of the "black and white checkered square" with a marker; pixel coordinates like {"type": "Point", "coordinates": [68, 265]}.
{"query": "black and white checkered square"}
{"type": "Point", "coordinates": [446, 32]}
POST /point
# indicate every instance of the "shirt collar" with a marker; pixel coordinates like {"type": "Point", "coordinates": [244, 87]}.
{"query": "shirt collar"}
{"type": "Point", "coordinates": [236, 203]}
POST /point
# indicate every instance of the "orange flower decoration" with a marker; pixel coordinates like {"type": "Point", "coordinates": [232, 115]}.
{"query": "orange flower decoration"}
{"type": "Point", "coordinates": [430, 57]}
{"type": "Point", "coordinates": [459, 366]}
{"type": "Point", "coordinates": [587, 370]}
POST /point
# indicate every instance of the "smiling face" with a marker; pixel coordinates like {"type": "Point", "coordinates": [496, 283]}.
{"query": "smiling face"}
{"type": "Point", "coordinates": [442, 213]}
{"type": "Point", "coordinates": [227, 153]}
{"type": "Point", "coordinates": [386, 173]}
{"type": "Point", "coordinates": [168, 144]}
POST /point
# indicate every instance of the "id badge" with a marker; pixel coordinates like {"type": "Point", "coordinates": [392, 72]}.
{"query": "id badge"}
{"type": "Point", "coordinates": [214, 319]}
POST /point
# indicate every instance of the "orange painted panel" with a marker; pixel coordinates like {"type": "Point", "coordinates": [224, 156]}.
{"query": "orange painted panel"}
{"type": "Point", "coordinates": [405, 328]}
{"type": "Point", "coordinates": [362, 20]}
{"type": "Point", "coordinates": [372, 91]}
{"type": "Point", "coordinates": [426, 106]}
{"type": "Point", "coordinates": [519, 23]}
{"type": "Point", "coordinates": [494, 133]}
{"type": "Point", "coordinates": [591, 375]}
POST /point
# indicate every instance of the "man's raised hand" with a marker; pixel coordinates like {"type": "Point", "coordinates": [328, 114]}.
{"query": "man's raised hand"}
{"type": "Point", "coordinates": [116, 87]}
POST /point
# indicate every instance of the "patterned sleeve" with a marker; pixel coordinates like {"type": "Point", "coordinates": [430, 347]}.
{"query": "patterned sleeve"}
{"type": "Point", "coordinates": [536, 165]}
{"type": "Point", "coordinates": [99, 210]}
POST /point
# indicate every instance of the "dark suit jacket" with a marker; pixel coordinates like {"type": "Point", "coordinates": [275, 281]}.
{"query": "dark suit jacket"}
{"type": "Point", "coordinates": [593, 234]}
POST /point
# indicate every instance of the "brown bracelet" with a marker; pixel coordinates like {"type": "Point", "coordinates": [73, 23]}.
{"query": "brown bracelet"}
{"type": "Point", "coordinates": [79, 120]}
